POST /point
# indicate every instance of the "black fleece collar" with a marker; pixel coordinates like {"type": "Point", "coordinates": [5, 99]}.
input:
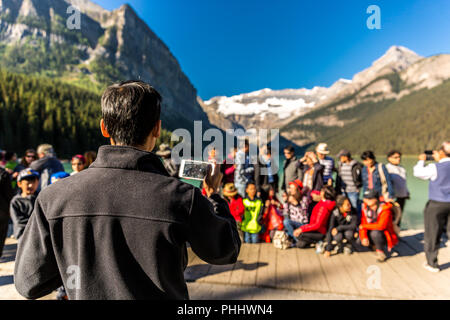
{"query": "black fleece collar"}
{"type": "Point", "coordinates": [128, 158]}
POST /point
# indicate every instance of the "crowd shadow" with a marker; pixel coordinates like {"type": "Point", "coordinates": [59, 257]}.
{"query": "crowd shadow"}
{"type": "Point", "coordinates": [198, 271]}
{"type": "Point", "coordinates": [6, 280]}
{"type": "Point", "coordinates": [9, 253]}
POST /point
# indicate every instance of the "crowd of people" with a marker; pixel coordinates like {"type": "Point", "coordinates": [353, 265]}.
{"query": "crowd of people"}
{"type": "Point", "coordinates": [21, 181]}
{"type": "Point", "coordinates": [337, 206]}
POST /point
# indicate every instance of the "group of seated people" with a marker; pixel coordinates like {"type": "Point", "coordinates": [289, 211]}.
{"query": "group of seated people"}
{"type": "Point", "coordinates": [311, 218]}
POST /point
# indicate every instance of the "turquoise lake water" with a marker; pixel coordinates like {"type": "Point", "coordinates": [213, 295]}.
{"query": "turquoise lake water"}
{"type": "Point", "coordinates": [413, 215]}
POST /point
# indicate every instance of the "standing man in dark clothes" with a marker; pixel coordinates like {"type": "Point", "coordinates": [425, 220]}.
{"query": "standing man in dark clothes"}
{"type": "Point", "coordinates": [290, 170]}
{"type": "Point", "coordinates": [118, 230]}
{"type": "Point", "coordinates": [348, 180]}
{"type": "Point", "coordinates": [262, 179]}
{"type": "Point", "coordinates": [6, 194]}
{"type": "Point", "coordinates": [437, 209]}
{"type": "Point", "coordinates": [47, 164]}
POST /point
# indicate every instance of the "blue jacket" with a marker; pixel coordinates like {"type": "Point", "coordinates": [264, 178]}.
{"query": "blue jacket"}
{"type": "Point", "coordinates": [377, 180]}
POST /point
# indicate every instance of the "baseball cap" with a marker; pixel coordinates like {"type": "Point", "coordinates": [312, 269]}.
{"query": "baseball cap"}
{"type": "Point", "coordinates": [371, 194]}
{"type": "Point", "coordinates": [27, 173]}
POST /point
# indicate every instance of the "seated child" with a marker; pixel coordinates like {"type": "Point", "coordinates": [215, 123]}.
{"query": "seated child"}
{"type": "Point", "coordinates": [251, 224]}
{"type": "Point", "coordinates": [376, 225]}
{"type": "Point", "coordinates": [22, 205]}
{"type": "Point", "coordinates": [295, 210]}
{"type": "Point", "coordinates": [343, 224]}
{"type": "Point", "coordinates": [315, 231]}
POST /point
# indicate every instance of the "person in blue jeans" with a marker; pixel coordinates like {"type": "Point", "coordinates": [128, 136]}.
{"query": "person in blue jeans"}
{"type": "Point", "coordinates": [349, 180]}
{"type": "Point", "coordinates": [373, 179]}
{"type": "Point", "coordinates": [254, 207]}
{"type": "Point", "coordinates": [295, 209]}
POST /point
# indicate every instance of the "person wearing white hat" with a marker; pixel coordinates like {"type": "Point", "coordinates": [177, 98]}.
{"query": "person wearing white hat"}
{"type": "Point", "coordinates": [328, 162]}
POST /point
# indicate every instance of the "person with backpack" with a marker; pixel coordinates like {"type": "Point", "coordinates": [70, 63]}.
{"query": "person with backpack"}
{"type": "Point", "coordinates": [348, 181]}
{"type": "Point", "coordinates": [343, 225]}
{"type": "Point", "coordinates": [376, 177]}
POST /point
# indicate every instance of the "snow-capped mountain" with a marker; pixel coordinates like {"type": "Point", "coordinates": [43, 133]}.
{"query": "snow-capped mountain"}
{"type": "Point", "coordinates": [266, 107]}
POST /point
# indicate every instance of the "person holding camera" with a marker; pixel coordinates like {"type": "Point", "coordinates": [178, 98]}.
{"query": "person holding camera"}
{"type": "Point", "coordinates": [118, 230]}
{"type": "Point", "coordinates": [437, 209]}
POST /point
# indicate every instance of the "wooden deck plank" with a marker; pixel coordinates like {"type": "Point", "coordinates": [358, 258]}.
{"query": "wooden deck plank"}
{"type": "Point", "coordinates": [358, 271]}
{"type": "Point", "coordinates": [390, 281]}
{"type": "Point", "coordinates": [288, 273]}
{"type": "Point", "coordinates": [407, 272]}
{"type": "Point", "coordinates": [311, 273]}
{"type": "Point", "coordinates": [249, 273]}
{"type": "Point", "coordinates": [237, 274]}
{"type": "Point", "coordinates": [266, 272]}
{"type": "Point", "coordinates": [338, 279]}
{"type": "Point", "coordinates": [435, 283]}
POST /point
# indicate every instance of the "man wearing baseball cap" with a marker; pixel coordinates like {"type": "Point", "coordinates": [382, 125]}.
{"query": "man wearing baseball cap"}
{"type": "Point", "coordinates": [325, 160]}
{"type": "Point", "coordinates": [22, 205]}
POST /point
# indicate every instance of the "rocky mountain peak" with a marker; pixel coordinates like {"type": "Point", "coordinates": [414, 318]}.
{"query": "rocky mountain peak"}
{"type": "Point", "coordinates": [396, 58]}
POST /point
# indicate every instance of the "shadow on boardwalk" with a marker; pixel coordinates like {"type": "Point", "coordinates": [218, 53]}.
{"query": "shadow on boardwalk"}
{"type": "Point", "coordinates": [197, 271]}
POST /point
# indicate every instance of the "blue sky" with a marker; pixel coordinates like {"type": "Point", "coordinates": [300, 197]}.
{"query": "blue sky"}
{"type": "Point", "coordinates": [236, 46]}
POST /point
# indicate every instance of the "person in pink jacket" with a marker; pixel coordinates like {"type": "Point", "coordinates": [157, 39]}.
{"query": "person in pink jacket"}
{"type": "Point", "coordinates": [316, 229]}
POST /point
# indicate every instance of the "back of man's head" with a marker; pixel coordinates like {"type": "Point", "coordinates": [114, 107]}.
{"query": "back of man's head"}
{"type": "Point", "coordinates": [45, 150]}
{"type": "Point", "coordinates": [130, 111]}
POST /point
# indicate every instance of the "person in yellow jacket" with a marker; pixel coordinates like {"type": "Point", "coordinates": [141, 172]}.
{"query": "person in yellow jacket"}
{"type": "Point", "coordinates": [251, 224]}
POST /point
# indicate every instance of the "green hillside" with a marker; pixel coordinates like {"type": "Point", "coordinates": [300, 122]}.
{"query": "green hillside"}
{"type": "Point", "coordinates": [36, 110]}
{"type": "Point", "coordinates": [412, 124]}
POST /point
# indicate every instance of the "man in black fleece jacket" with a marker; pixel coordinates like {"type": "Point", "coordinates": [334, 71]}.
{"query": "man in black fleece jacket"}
{"type": "Point", "coordinates": [118, 230]}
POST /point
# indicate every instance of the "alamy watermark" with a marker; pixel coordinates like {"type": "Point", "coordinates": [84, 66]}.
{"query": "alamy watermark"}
{"type": "Point", "coordinates": [374, 280]}
{"type": "Point", "coordinates": [374, 20]}
{"type": "Point", "coordinates": [73, 22]}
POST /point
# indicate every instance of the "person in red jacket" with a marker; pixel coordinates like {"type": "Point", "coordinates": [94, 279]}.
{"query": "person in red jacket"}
{"type": "Point", "coordinates": [316, 229]}
{"type": "Point", "coordinates": [272, 219]}
{"type": "Point", "coordinates": [376, 227]}
{"type": "Point", "coordinates": [235, 204]}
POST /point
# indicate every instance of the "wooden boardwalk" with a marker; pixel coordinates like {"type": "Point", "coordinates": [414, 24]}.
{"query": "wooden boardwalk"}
{"type": "Point", "coordinates": [263, 272]}
{"type": "Point", "coordinates": [302, 270]}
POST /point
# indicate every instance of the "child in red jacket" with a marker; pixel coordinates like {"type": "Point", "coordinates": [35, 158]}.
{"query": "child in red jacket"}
{"type": "Point", "coordinates": [376, 225]}
{"type": "Point", "coordinates": [235, 204]}
{"type": "Point", "coordinates": [272, 219]}
{"type": "Point", "coordinates": [316, 229]}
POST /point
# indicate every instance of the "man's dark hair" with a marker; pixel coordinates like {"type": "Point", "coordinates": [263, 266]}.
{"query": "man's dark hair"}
{"type": "Point", "coordinates": [269, 150]}
{"type": "Point", "coordinates": [329, 193]}
{"type": "Point", "coordinates": [340, 199]}
{"type": "Point", "coordinates": [290, 148]}
{"type": "Point", "coordinates": [368, 155]}
{"type": "Point", "coordinates": [392, 152]}
{"type": "Point", "coordinates": [130, 110]}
